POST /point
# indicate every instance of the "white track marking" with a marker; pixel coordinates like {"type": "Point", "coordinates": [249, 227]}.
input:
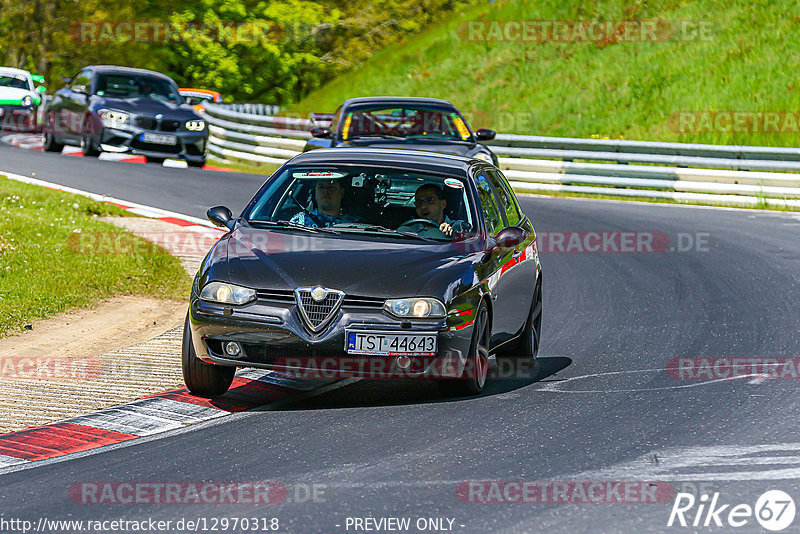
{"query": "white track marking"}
{"type": "Point", "coordinates": [705, 463]}
{"type": "Point", "coordinates": [5, 461]}
{"type": "Point", "coordinates": [139, 209]}
{"type": "Point", "coordinates": [554, 387]}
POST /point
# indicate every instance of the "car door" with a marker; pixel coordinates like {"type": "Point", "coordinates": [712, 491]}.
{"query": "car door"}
{"type": "Point", "coordinates": [76, 103]}
{"type": "Point", "coordinates": [503, 299]}
{"type": "Point", "coordinates": [519, 274]}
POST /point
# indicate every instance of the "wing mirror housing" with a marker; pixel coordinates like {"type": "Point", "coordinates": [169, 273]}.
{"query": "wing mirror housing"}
{"type": "Point", "coordinates": [41, 89]}
{"type": "Point", "coordinates": [221, 216]}
{"type": "Point", "coordinates": [510, 237]}
{"type": "Point", "coordinates": [320, 132]}
{"type": "Point", "coordinates": [485, 134]}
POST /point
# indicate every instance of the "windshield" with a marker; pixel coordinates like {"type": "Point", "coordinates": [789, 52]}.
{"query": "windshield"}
{"type": "Point", "coordinates": [17, 82]}
{"type": "Point", "coordinates": [408, 122]}
{"type": "Point", "coordinates": [127, 86]}
{"type": "Point", "coordinates": [391, 203]}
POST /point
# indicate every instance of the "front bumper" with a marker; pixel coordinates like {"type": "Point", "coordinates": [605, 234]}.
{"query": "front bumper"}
{"type": "Point", "coordinates": [190, 146]}
{"type": "Point", "coordinates": [274, 337]}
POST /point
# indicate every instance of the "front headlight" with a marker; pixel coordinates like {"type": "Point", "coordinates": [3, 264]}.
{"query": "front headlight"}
{"type": "Point", "coordinates": [196, 126]}
{"type": "Point", "coordinates": [418, 308]}
{"type": "Point", "coordinates": [484, 157]}
{"type": "Point", "coordinates": [27, 101]}
{"type": "Point", "coordinates": [114, 119]}
{"type": "Point", "coordinates": [227, 293]}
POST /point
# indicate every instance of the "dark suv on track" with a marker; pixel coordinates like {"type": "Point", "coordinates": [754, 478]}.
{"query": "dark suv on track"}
{"type": "Point", "coordinates": [120, 109]}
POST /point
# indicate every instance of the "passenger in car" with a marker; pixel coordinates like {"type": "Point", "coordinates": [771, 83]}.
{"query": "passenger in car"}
{"type": "Point", "coordinates": [430, 203]}
{"type": "Point", "coordinates": [328, 195]}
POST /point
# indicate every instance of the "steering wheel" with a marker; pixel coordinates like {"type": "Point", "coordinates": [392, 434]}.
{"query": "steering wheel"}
{"type": "Point", "coordinates": [425, 221]}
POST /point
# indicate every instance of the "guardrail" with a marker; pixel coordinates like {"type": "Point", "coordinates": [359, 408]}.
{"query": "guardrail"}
{"type": "Point", "coordinates": [685, 172]}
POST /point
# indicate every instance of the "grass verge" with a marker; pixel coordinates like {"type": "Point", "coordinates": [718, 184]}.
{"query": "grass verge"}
{"type": "Point", "coordinates": [719, 55]}
{"type": "Point", "coordinates": [252, 168]}
{"type": "Point", "coordinates": [43, 273]}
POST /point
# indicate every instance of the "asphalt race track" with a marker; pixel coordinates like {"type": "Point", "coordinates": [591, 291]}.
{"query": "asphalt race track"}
{"type": "Point", "coordinates": [602, 405]}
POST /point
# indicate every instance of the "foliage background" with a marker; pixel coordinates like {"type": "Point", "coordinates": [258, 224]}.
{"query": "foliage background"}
{"type": "Point", "coordinates": [319, 39]}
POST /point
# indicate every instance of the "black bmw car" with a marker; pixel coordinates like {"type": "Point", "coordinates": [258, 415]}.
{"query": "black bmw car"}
{"type": "Point", "coordinates": [121, 109]}
{"type": "Point", "coordinates": [427, 124]}
{"type": "Point", "coordinates": [370, 263]}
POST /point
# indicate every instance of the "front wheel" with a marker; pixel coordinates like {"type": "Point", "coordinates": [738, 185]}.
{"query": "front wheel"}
{"type": "Point", "coordinates": [51, 144]}
{"type": "Point", "coordinates": [527, 346]}
{"type": "Point", "coordinates": [198, 164]}
{"type": "Point", "coordinates": [473, 378]}
{"type": "Point", "coordinates": [88, 145]}
{"type": "Point", "coordinates": [159, 161]}
{"type": "Point", "coordinates": [202, 379]}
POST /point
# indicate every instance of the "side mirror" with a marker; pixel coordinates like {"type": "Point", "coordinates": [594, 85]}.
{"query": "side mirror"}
{"type": "Point", "coordinates": [485, 134]}
{"type": "Point", "coordinates": [65, 79]}
{"type": "Point", "coordinates": [510, 237]}
{"type": "Point", "coordinates": [321, 132]}
{"type": "Point", "coordinates": [221, 216]}
{"type": "Point", "coordinates": [41, 89]}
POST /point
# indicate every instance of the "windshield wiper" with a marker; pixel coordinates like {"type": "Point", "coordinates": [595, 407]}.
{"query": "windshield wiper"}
{"type": "Point", "coordinates": [379, 136]}
{"type": "Point", "coordinates": [289, 224]}
{"type": "Point", "coordinates": [383, 229]}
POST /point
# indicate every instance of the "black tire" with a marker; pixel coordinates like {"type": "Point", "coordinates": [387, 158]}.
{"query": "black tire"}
{"type": "Point", "coordinates": [159, 161]}
{"type": "Point", "coordinates": [527, 346]}
{"type": "Point", "coordinates": [88, 146]}
{"type": "Point", "coordinates": [476, 370]}
{"type": "Point", "coordinates": [50, 143]}
{"type": "Point", "coordinates": [202, 379]}
{"type": "Point", "coordinates": [198, 164]}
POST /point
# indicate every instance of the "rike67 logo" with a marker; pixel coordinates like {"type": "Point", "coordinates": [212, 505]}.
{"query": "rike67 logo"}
{"type": "Point", "coordinates": [774, 510]}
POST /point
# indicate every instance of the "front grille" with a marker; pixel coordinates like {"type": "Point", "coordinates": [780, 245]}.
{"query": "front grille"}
{"type": "Point", "coordinates": [351, 301]}
{"type": "Point", "coordinates": [316, 314]}
{"type": "Point", "coordinates": [267, 354]}
{"type": "Point", "coordinates": [169, 149]}
{"type": "Point", "coordinates": [169, 126]}
{"type": "Point", "coordinates": [286, 296]}
{"type": "Point", "coordinates": [276, 295]}
{"type": "Point", "coordinates": [146, 123]}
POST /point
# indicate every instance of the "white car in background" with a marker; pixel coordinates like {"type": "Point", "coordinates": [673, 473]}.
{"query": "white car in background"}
{"type": "Point", "coordinates": [20, 100]}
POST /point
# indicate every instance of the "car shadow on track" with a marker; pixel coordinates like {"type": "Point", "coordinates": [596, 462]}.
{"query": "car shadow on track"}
{"type": "Point", "coordinates": [366, 393]}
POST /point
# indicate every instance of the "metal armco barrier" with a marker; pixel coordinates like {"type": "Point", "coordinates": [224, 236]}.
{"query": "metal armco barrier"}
{"type": "Point", "coordinates": [684, 172]}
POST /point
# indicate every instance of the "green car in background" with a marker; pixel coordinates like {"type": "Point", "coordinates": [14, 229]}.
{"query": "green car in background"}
{"type": "Point", "coordinates": [20, 100]}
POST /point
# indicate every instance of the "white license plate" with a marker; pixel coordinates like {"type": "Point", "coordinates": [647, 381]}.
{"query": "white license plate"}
{"type": "Point", "coordinates": [159, 139]}
{"type": "Point", "coordinates": [389, 344]}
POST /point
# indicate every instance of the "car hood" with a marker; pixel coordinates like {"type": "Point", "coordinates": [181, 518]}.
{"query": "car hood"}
{"type": "Point", "coordinates": [13, 95]}
{"type": "Point", "coordinates": [458, 148]}
{"type": "Point", "coordinates": [264, 259]}
{"type": "Point", "coordinates": [147, 107]}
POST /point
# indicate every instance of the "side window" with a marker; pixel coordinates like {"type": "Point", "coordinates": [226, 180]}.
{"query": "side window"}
{"type": "Point", "coordinates": [337, 116]}
{"type": "Point", "coordinates": [491, 213]}
{"type": "Point", "coordinates": [508, 201]}
{"type": "Point", "coordinates": [82, 83]}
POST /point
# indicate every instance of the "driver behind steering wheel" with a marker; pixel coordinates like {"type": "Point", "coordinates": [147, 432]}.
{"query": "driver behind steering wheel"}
{"type": "Point", "coordinates": [328, 195]}
{"type": "Point", "coordinates": [430, 203]}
